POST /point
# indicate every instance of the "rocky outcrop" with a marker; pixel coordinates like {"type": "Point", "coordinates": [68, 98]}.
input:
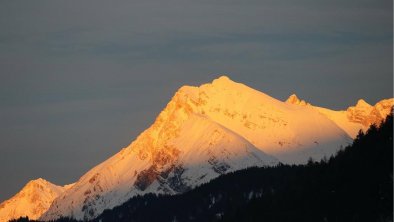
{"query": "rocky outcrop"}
{"type": "Point", "coordinates": [367, 114]}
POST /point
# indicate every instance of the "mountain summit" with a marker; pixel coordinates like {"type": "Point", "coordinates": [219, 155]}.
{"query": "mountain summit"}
{"type": "Point", "coordinates": [183, 148]}
{"type": "Point", "coordinates": [293, 99]}
{"type": "Point", "coordinates": [354, 118]}
{"type": "Point", "coordinates": [207, 131]}
{"type": "Point", "coordinates": [33, 200]}
{"type": "Point", "coordinates": [203, 132]}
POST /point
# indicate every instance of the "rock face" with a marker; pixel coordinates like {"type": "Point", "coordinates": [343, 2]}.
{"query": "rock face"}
{"type": "Point", "coordinates": [354, 118]}
{"type": "Point", "coordinates": [293, 99]}
{"type": "Point", "coordinates": [366, 115]}
{"type": "Point", "coordinates": [33, 200]}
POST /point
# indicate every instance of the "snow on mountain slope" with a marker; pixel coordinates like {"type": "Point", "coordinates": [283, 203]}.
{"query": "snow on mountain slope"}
{"type": "Point", "coordinates": [181, 150]}
{"type": "Point", "coordinates": [203, 132]}
{"type": "Point", "coordinates": [290, 133]}
{"type": "Point", "coordinates": [355, 118]}
{"type": "Point", "coordinates": [32, 201]}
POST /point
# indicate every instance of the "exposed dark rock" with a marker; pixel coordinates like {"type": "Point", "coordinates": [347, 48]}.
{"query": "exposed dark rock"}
{"type": "Point", "coordinates": [176, 182]}
{"type": "Point", "coordinates": [146, 178]}
{"type": "Point", "coordinates": [217, 166]}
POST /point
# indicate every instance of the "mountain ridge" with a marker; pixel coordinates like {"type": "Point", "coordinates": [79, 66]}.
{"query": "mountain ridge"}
{"type": "Point", "coordinates": [165, 158]}
{"type": "Point", "coordinates": [204, 132]}
{"type": "Point", "coordinates": [354, 118]}
{"type": "Point", "coordinates": [32, 200]}
{"type": "Point", "coordinates": [341, 188]}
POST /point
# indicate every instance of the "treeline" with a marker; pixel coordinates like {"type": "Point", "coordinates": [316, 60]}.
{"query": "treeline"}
{"type": "Point", "coordinates": [355, 185]}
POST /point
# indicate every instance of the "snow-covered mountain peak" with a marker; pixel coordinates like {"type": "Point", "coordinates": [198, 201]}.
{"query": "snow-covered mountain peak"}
{"type": "Point", "coordinates": [222, 92]}
{"type": "Point", "coordinates": [33, 200]}
{"type": "Point", "coordinates": [223, 81]}
{"type": "Point", "coordinates": [40, 185]}
{"type": "Point", "coordinates": [36, 182]}
{"type": "Point", "coordinates": [366, 114]}
{"type": "Point", "coordinates": [293, 99]}
{"type": "Point", "coordinates": [358, 117]}
{"type": "Point", "coordinates": [384, 107]}
{"type": "Point", "coordinates": [203, 132]}
{"type": "Point", "coordinates": [174, 155]}
{"type": "Point", "coordinates": [184, 147]}
{"type": "Point", "coordinates": [251, 114]}
{"type": "Point", "coordinates": [362, 103]}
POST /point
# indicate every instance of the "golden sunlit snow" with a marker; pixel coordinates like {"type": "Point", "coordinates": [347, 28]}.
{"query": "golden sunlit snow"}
{"type": "Point", "coordinates": [203, 132]}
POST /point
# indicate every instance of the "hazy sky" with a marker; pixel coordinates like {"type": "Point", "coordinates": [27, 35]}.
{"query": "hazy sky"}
{"type": "Point", "coordinates": [81, 79]}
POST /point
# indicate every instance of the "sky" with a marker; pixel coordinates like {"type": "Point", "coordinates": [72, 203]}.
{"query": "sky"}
{"type": "Point", "coordinates": [79, 80]}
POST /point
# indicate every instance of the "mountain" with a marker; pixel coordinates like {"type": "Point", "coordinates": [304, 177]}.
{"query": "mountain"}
{"type": "Point", "coordinates": [33, 200]}
{"type": "Point", "coordinates": [357, 117]}
{"type": "Point", "coordinates": [182, 149]}
{"type": "Point", "coordinates": [159, 162]}
{"type": "Point", "coordinates": [202, 133]}
{"type": "Point", "coordinates": [354, 185]}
